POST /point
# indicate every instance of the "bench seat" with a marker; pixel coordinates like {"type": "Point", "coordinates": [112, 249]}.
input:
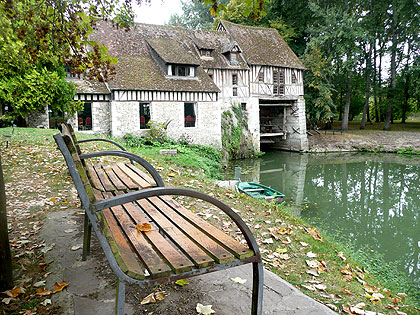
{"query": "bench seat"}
{"type": "Point", "coordinates": [147, 236]}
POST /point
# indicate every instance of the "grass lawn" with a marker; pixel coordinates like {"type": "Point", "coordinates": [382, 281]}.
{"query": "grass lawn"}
{"type": "Point", "coordinates": [37, 182]}
{"type": "Point", "coordinates": [396, 126]}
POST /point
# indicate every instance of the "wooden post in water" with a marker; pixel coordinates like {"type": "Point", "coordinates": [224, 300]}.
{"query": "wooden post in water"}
{"type": "Point", "coordinates": [6, 278]}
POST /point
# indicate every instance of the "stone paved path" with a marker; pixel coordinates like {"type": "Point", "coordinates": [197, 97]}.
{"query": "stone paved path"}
{"type": "Point", "coordinates": [92, 285]}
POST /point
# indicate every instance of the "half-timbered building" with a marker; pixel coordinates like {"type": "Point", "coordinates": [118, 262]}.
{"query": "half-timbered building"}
{"type": "Point", "coordinates": [187, 78]}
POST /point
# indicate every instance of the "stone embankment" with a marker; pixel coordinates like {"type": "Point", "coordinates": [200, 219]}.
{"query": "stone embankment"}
{"type": "Point", "coordinates": [363, 140]}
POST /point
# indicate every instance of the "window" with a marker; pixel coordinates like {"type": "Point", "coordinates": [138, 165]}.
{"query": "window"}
{"type": "Point", "coordinates": [281, 89]}
{"type": "Point", "coordinates": [235, 91]}
{"type": "Point", "coordinates": [181, 71]}
{"type": "Point", "coordinates": [234, 79]}
{"type": "Point", "coordinates": [281, 76]}
{"type": "Point", "coordinates": [275, 89]}
{"type": "Point", "coordinates": [278, 82]}
{"type": "Point", "coordinates": [261, 76]}
{"type": "Point", "coordinates": [294, 79]}
{"type": "Point", "coordinates": [84, 118]}
{"type": "Point", "coordinates": [144, 109]}
{"type": "Point", "coordinates": [275, 77]}
{"type": "Point", "coordinates": [189, 114]}
{"type": "Point", "coordinates": [234, 59]}
{"type": "Point", "coordinates": [243, 106]}
{"type": "Point", "coordinates": [205, 52]}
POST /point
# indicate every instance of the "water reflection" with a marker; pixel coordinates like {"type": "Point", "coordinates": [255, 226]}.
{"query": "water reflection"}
{"type": "Point", "coordinates": [371, 199]}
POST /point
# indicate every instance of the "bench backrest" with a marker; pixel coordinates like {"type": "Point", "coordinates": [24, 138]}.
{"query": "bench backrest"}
{"type": "Point", "coordinates": [70, 150]}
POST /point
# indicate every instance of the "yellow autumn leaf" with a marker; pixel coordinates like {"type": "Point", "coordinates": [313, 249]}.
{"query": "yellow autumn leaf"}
{"type": "Point", "coordinates": [144, 227]}
{"type": "Point", "coordinates": [181, 282]}
{"type": "Point", "coordinates": [281, 250]}
{"type": "Point", "coordinates": [14, 292]}
{"type": "Point", "coordinates": [59, 286]}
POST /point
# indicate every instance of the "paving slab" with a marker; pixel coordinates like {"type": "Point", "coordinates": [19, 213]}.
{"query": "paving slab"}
{"type": "Point", "coordinates": [92, 284]}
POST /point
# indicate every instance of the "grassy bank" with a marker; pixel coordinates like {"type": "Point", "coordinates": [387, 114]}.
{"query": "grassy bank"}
{"type": "Point", "coordinates": [321, 267]}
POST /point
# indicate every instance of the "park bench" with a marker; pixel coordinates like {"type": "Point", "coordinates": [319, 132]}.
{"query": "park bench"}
{"type": "Point", "coordinates": [147, 236]}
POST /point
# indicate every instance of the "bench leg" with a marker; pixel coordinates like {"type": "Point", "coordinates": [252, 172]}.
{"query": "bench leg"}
{"type": "Point", "coordinates": [120, 298]}
{"type": "Point", "coordinates": [87, 233]}
{"type": "Point", "coordinates": [257, 288]}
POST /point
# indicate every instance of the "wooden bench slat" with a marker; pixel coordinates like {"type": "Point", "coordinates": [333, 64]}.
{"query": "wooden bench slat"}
{"type": "Point", "coordinates": [177, 261]}
{"type": "Point", "coordinates": [217, 252]}
{"type": "Point", "coordinates": [194, 253]}
{"type": "Point", "coordinates": [154, 263]}
{"type": "Point", "coordinates": [142, 174]}
{"type": "Point", "coordinates": [124, 178]}
{"type": "Point", "coordinates": [133, 176]}
{"type": "Point", "coordinates": [94, 178]}
{"type": "Point", "coordinates": [128, 257]}
{"type": "Point", "coordinates": [103, 178]}
{"type": "Point", "coordinates": [114, 178]}
{"type": "Point", "coordinates": [235, 247]}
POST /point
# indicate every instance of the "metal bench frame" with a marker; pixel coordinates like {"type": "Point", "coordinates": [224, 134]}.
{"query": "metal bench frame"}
{"type": "Point", "coordinates": [91, 221]}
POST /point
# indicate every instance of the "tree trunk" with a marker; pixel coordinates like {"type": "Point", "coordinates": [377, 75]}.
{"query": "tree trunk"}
{"type": "Point", "coordinates": [380, 85]}
{"type": "Point", "coordinates": [374, 83]}
{"type": "Point", "coordinates": [340, 115]}
{"type": "Point", "coordinates": [6, 280]}
{"type": "Point", "coordinates": [406, 97]}
{"type": "Point", "coordinates": [367, 97]}
{"type": "Point", "coordinates": [391, 90]}
{"type": "Point", "coordinates": [345, 121]}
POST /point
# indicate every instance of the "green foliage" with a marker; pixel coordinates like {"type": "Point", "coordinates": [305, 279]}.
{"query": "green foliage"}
{"type": "Point", "coordinates": [158, 131]}
{"type": "Point", "coordinates": [236, 142]}
{"type": "Point", "coordinates": [318, 97]}
{"type": "Point", "coordinates": [198, 156]}
{"type": "Point", "coordinates": [408, 151]}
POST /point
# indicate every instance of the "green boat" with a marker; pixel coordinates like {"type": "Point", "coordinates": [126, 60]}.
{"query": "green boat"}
{"type": "Point", "coordinates": [259, 191]}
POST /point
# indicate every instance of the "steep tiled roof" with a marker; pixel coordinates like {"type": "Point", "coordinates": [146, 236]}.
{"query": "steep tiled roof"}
{"type": "Point", "coordinates": [137, 69]}
{"type": "Point", "coordinates": [263, 46]}
{"type": "Point", "coordinates": [89, 86]}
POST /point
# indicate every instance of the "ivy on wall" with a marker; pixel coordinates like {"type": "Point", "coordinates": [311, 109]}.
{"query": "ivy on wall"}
{"type": "Point", "coordinates": [236, 139]}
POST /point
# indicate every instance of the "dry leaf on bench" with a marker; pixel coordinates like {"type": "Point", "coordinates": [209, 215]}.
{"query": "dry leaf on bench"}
{"type": "Point", "coordinates": [204, 309]}
{"type": "Point", "coordinates": [144, 227]}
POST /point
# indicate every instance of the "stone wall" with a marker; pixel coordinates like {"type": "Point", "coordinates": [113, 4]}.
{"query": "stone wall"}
{"type": "Point", "coordinates": [101, 117]}
{"type": "Point", "coordinates": [296, 138]}
{"type": "Point", "coordinates": [125, 118]}
{"type": "Point", "coordinates": [38, 119]}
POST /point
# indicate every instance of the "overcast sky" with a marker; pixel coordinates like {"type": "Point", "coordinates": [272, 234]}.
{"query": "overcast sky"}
{"type": "Point", "coordinates": [158, 12]}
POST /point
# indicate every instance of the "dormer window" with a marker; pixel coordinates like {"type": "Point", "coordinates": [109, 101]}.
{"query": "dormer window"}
{"type": "Point", "coordinates": [205, 53]}
{"type": "Point", "coordinates": [234, 59]}
{"type": "Point", "coordinates": [181, 71]}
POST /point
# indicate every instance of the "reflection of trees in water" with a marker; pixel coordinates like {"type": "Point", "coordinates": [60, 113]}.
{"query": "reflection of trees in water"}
{"type": "Point", "coordinates": [372, 203]}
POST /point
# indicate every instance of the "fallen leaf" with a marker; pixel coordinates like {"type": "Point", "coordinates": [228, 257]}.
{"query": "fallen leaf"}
{"type": "Point", "coordinates": [283, 231]}
{"type": "Point", "coordinates": [332, 306]}
{"type": "Point", "coordinates": [238, 280]}
{"type": "Point", "coordinates": [43, 292]}
{"type": "Point", "coordinates": [204, 309]}
{"type": "Point", "coordinates": [287, 240]}
{"type": "Point", "coordinates": [284, 256]}
{"type": "Point", "coordinates": [153, 297]}
{"type": "Point", "coordinates": [59, 286]}
{"type": "Point", "coordinates": [312, 272]}
{"type": "Point", "coordinates": [304, 244]}
{"type": "Point", "coordinates": [181, 282]}
{"type": "Point", "coordinates": [268, 241]}
{"type": "Point", "coordinates": [314, 233]}
{"type": "Point", "coordinates": [46, 302]}
{"type": "Point", "coordinates": [144, 227]}
{"type": "Point", "coordinates": [355, 310]}
{"type": "Point", "coordinates": [341, 255]}
{"type": "Point", "coordinates": [39, 284]}
{"type": "Point", "coordinates": [346, 272]}
{"type": "Point", "coordinates": [360, 305]}
{"type": "Point", "coordinates": [312, 263]}
{"type": "Point", "coordinates": [309, 287]}
{"type": "Point", "coordinates": [7, 300]}
{"type": "Point", "coordinates": [321, 287]}
{"type": "Point", "coordinates": [76, 247]}
{"type": "Point", "coordinates": [346, 291]}
{"type": "Point", "coordinates": [311, 255]}
{"type": "Point", "coordinates": [14, 292]}
{"type": "Point", "coordinates": [257, 226]}
{"type": "Point", "coordinates": [281, 250]}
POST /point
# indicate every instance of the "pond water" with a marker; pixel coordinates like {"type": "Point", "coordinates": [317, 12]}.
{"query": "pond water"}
{"type": "Point", "coordinates": [371, 199]}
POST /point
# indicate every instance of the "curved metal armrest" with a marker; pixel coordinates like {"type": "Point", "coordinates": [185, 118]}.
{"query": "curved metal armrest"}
{"type": "Point", "coordinates": [162, 191]}
{"type": "Point", "coordinates": [132, 157]}
{"type": "Point", "coordinates": [105, 140]}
